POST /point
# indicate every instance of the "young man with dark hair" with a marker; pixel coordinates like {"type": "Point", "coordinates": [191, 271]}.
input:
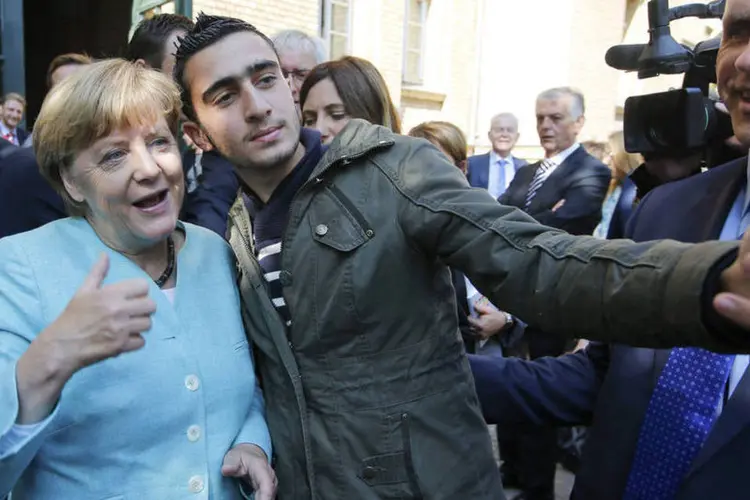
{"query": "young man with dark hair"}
{"type": "Point", "coordinates": [343, 255]}
{"type": "Point", "coordinates": [154, 40]}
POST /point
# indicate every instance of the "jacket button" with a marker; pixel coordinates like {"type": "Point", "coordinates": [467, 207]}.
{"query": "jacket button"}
{"type": "Point", "coordinates": [285, 278]}
{"type": "Point", "coordinates": [321, 229]}
{"type": "Point", "coordinates": [369, 472]}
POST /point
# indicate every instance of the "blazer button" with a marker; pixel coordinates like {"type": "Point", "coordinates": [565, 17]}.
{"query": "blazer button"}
{"type": "Point", "coordinates": [321, 229]}
{"type": "Point", "coordinates": [285, 278]}
{"type": "Point", "coordinates": [369, 472]}
{"type": "Point", "coordinates": [196, 484]}
{"type": "Point", "coordinates": [192, 382]}
{"type": "Point", "coordinates": [193, 433]}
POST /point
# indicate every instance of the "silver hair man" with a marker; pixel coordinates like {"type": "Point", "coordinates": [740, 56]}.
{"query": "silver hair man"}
{"type": "Point", "coordinates": [559, 119]}
{"type": "Point", "coordinates": [577, 102]}
{"type": "Point", "coordinates": [298, 54]}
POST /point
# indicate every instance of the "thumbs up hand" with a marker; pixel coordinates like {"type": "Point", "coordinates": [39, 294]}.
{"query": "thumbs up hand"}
{"type": "Point", "coordinates": [101, 321]}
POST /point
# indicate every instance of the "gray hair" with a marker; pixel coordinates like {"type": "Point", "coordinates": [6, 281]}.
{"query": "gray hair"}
{"type": "Point", "coordinates": [295, 40]}
{"type": "Point", "coordinates": [578, 106]}
{"type": "Point", "coordinates": [510, 116]}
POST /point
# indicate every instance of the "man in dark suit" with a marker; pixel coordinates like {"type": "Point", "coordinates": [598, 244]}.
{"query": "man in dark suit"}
{"type": "Point", "coordinates": [27, 201]}
{"type": "Point", "coordinates": [666, 423]}
{"type": "Point", "coordinates": [13, 108]}
{"type": "Point", "coordinates": [566, 191]}
{"type": "Point", "coordinates": [617, 384]}
{"type": "Point", "coordinates": [567, 188]}
{"type": "Point", "coordinates": [495, 170]}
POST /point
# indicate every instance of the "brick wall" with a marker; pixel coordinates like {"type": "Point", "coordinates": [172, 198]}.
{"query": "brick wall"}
{"type": "Point", "coordinates": [269, 16]}
{"type": "Point", "coordinates": [596, 26]}
{"type": "Point", "coordinates": [481, 62]}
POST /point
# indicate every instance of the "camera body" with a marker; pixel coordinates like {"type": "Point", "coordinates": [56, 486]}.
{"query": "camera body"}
{"type": "Point", "coordinates": [681, 121]}
{"type": "Point", "coordinates": [673, 122]}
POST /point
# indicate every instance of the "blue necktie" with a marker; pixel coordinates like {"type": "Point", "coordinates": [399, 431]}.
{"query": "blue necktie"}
{"type": "Point", "coordinates": [679, 417]}
{"type": "Point", "coordinates": [501, 175]}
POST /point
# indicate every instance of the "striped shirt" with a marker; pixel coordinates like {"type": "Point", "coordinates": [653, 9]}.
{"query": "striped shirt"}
{"type": "Point", "coordinates": [270, 220]}
{"type": "Point", "coordinates": [269, 258]}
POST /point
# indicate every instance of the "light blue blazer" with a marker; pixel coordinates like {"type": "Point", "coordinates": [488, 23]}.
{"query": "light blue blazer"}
{"type": "Point", "coordinates": [151, 424]}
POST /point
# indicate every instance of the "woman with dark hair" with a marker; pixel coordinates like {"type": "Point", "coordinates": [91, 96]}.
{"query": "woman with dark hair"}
{"type": "Point", "coordinates": [337, 91]}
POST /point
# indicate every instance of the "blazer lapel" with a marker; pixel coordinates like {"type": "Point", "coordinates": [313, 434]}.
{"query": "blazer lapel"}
{"type": "Point", "coordinates": [541, 199]}
{"type": "Point", "coordinates": [523, 180]}
{"type": "Point", "coordinates": [484, 171]}
{"type": "Point", "coordinates": [734, 418]}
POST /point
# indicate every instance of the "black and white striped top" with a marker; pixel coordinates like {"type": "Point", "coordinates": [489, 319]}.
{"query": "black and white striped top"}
{"type": "Point", "coordinates": [269, 258]}
{"type": "Point", "coordinates": [270, 220]}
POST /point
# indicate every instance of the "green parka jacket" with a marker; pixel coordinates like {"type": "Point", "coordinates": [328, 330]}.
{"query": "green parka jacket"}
{"type": "Point", "coordinates": [368, 393]}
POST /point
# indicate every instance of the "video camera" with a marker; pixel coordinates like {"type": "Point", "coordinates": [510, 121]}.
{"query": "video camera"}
{"type": "Point", "coordinates": [682, 120]}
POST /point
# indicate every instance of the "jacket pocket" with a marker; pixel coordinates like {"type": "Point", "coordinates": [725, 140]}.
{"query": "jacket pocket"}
{"type": "Point", "coordinates": [336, 222]}
{"type": "Point", "coordinates": [385, 472]}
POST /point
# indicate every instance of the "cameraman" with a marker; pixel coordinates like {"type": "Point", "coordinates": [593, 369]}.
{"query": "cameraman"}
{"type": "Point", "coordinates": [666, 423]}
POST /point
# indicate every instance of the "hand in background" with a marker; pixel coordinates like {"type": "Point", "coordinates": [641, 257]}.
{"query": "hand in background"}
{"type": "Point", "coordinates": [490, 321]}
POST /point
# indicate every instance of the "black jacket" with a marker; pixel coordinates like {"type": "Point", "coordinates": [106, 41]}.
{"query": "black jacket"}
{"type": "Point", "coordinates": [581, 180]}
{"type": "Point", "coordinates": [27, 201]}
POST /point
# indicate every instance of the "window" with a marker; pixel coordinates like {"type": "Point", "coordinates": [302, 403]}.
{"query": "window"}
{"type": "Point", "coordinates": [414, 37]}
{"type": "Point", "coordinates": [146, 9]}
{"type": "Point", "coordinates": [335, 24]}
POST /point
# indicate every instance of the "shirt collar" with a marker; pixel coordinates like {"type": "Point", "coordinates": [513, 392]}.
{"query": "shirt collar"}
{"type": "Point", "coordinates": [5, 130]}
{"type": "Point", "coordinates": [563, 155]}
{"type": "Point", "coordinates": [494, 158]}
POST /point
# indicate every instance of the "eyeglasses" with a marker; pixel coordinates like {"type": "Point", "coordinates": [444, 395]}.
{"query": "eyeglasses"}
{"type": "Point", "coordinates": [298, 75]}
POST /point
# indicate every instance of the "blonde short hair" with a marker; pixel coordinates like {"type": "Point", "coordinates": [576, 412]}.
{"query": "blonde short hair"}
{"type": "Point", "coordinates": [92, 103]}
{"type": "Point", "coordinates": [15, 97]}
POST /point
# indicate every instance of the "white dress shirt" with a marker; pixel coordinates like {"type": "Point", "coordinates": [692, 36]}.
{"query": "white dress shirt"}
{"type": "Point", "coordinates": [494, 186]}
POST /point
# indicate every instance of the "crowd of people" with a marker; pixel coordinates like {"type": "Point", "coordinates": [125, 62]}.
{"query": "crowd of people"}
{"type": "Point", "coordinates": [226, 271]}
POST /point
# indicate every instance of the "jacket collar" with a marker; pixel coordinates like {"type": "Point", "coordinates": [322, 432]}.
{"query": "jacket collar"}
{"type": "Point", "coordinates": [357, 139]}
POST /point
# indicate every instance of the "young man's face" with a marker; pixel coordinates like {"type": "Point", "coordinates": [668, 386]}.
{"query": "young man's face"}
{"type": "Point", "coordinates": [243, 102]}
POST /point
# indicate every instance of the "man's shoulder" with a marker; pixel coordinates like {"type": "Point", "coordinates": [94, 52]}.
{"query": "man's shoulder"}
{"type": "Point", "coordinates": [21, 166]}
{"type": "Point", "coordinates": [698, 182]}
{"type": "Point", "coordinates": [484, 157]}
{"type": "Point", "coordinates": [520, 162]}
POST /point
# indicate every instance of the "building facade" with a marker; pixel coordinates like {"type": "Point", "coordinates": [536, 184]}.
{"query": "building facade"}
{"type": "Point", "coordinates": [466, 60]}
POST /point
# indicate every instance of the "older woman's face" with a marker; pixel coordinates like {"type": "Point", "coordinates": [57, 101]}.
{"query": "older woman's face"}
{"type": "Point", "coordinates": [132, 183]}
{"type": "Point", "coordinates": [324, 111]}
